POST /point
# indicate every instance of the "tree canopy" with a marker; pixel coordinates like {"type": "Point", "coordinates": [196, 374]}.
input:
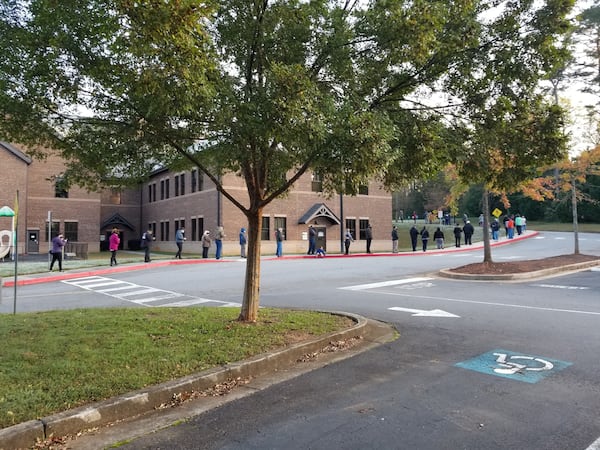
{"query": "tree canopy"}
{"type": "Point", "coordinates": [268, 89]}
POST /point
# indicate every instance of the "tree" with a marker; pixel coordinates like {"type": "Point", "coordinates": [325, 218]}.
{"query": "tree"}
{"type": "Point", "coordinates": [511, 128]}
{"type": "Point", "coordinates": [266, 89]}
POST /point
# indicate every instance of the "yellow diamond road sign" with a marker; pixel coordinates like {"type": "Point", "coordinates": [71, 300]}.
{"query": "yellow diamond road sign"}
{"type": "Point", "coordinates": [496, 212]}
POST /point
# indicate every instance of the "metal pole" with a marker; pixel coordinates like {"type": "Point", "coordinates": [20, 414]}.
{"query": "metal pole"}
{"type": "Point", "coordinates": [342, 222]}
{"type": "Point", "coordinates": [16, 254]}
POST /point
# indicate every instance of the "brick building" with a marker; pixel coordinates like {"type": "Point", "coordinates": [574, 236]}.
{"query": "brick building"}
{"type": "Point", "coordinates": [169, 200]}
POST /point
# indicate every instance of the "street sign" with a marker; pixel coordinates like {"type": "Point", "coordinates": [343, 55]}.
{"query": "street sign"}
{"type": "Point", "coordinates": [496, 213]}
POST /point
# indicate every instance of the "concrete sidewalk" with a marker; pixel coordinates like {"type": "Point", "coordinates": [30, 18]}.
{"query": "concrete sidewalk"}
{"type": "Point", "coordinates": [47, 277]}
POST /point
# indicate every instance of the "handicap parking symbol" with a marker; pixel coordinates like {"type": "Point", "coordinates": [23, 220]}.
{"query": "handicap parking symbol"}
{"type": "Point", "coordinates": [514, 365]}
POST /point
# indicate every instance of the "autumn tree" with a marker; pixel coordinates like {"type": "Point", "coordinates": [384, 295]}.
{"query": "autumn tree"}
{"type": "Point", "coordinates": [268, 89]}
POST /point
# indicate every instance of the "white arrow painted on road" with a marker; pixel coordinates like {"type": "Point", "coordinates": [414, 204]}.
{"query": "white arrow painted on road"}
{"type": "Point", "coordinates": [424, 313]}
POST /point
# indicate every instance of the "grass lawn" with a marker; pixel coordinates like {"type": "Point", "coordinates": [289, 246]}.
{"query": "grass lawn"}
{"type": "Point", "coordinates": [54, 361]}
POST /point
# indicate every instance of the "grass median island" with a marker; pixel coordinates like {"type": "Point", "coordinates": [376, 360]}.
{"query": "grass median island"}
{"type": "Point", "coordinates": [57, 360]}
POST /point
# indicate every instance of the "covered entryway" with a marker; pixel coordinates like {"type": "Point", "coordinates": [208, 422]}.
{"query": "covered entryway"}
{"type": "Point", "coordinates": [319, 216]}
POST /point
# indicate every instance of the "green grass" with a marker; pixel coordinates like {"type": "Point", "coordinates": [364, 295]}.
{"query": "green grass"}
{"type": "Point", "coordinates": [54, 361]}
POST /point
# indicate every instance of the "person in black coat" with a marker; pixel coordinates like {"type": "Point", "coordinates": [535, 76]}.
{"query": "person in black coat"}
{"type": "Point", "coordinates": [468, 230]}
{"type": "Point", "coordinates": [414, 234]}
{"type": "Point", "coordinates": [424, 238]}
{"type": "Point", "coordinates": [457, 233]}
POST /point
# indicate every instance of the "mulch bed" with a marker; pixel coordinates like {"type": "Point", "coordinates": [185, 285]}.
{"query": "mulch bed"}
{"type": "Point", "coordinates": [523, 266]}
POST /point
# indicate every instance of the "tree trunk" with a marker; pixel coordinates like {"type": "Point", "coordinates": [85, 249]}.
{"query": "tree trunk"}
{"type": "Point", "coordinates": [251, 300]}
{"type": "Point", "coordinates": [487, 248]}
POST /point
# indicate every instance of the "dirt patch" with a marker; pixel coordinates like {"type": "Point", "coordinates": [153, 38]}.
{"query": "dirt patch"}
{"type": "Point", "coordinates": [530, 265]}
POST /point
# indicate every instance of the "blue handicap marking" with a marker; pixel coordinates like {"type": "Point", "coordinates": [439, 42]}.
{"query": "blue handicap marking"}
{"type": "Point", "coordinates": [514, 365]}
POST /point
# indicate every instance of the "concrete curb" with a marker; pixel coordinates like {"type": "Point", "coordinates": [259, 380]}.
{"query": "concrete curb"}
{"type": "Point", "coordinates": [146, 400]}
{"type": "Point", "coordinates": [447, 273]}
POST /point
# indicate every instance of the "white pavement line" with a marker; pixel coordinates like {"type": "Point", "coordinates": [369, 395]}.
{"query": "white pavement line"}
{"type": "Point", "coordinates": [360, 287]}
{"type": "Point", "coordinates": [121, 288]}
{"type": "Point", "coordinates": [106, 282]}
{"type": "Point", "coordinates": [475, 302]}
{"type": "Point", "coordinates": [194, 301]}
{"type": "Point", "coordinates": [139, 292]}
{"type": "Point", "coordinates": [559, 286]}
{"type": "Point", "coordinates": [595, 445]}
{"type": "Point", "coordinates": [141, 301]}
{"type": "Point", "coordinates": [84, 281]}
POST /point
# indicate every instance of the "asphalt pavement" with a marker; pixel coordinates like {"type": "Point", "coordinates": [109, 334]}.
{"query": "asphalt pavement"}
{"type": "Point", "coordinates": [137, 413]}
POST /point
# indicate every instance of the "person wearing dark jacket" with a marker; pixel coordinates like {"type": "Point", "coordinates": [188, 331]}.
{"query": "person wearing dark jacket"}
{"type": "Point", "coordinates": [394, 239]}
{"type": "Point", "coordinates": [468, 230]}
{"type": "Point", "coordinates": [457, 233]}
{"type": "Point", "coordinates": [438, 235]}
{"type": "Point", "coordinates": [57, 251]}
{"type": "Point", "coordinates": [414, 234]}
{"type": "Point", "coordinates": [424, 238]}
{"type": "Point", "coordinates": [369, 237]}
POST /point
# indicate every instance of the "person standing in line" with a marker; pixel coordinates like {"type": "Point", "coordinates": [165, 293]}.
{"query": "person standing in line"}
{"type": "Point", "coordinates": [58, 244]}
{"type": "Point", "coordinates": [457, 232]}
{"type": "Point", "coordinates": [414, 234]}
{"type": "Point", "coordinates": [394, 239]}
{"type": "Point", "coordinates": [468, 230]}
{"type": "Point", "coordinates": [279, 241]}
{"type": "Point", "coordinates": [510, 228]}
{"type": "Point", "coordinates": [519, 224]}
{"type": "Point", "coordinates": [312, 240]}
{"type": "Point", "coordinates": [219, 235]}
{"type": "Point", "coordinates": [424, 238]}
{"type": "Point", "coordinates": [369, 237]}
{"type": "Point", "coordinates": [146, 243]}
{"type": "Point", "coordinates": [243, 241]}
{"type": "Point", "coordinates": [179, 238]}
{"type": "Point", "coordinates": [524, 223]}
{"type": "Point", "coordinates": [347, 241]}
{"type": "Point", "coordinates": [206, 241]}
{"type": "Point", "coordinates": [438, 235]}
{"type": "Point", "coordinates": [495, 227]}
{"type": "Point", "coordinates": [113, 245]}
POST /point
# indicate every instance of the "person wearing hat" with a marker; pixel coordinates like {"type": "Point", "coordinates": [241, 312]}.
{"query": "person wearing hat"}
{"type": "Point", "coordinates": [468, 230]}
{"type": "Point", "coordinates": [57, 251]}
{"type": "Point", "coordinates": [206, 241]}
{"type": "Point", "coordinates": [243, 242]}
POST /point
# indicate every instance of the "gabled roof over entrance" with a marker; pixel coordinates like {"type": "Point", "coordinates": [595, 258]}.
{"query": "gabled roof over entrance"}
{"type": "Point", "coordinates": [319, 210]}
{"type": "Point", "coordinates": [116, 220]}
{"type": "Point", "coordinates": [15, 151]}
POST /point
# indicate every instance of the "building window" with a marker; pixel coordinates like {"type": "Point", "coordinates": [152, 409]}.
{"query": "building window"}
{"type": "Point", "coordinates": [197, 228]}
{"type": "Point", "coordinates": [182, 184]}
{"type": "Point", "coordinates": [152, 228]}
{"type": "Point", "coordinates": [167, 193]}
{"type": "Point", "coordinates": [176, 185]}
{"type": "Point", "coordinates": [200, 181]}
{"type": "Point", "coordinates": [71, 231]}
{"type": "Point", "coordinates": [165, 231]}
{"type": "Point", "coordinates": [317, 182]}
{"type": "Point", "coordinates": [363, 224]}
{"type": "Point", "coordinates": [281, 222]}
{"type": "Point", "coordinates": [351, 227]}
{"type": "Point", "coordinates": [153, 192]}
{"type": "Point", "coordinates": [149, 193]}
{"type": "Point", "coordinates": [265, 232]}
{"type": "Point", "coordinates": [162, 189]}
{"type": "Point", "coordinates": [162, 231]}
{"type": "Point", "coordinates": [54, 232]}
{"type": "Point", "coordinates": [194, 179]}
{"type": "Point", "coordinates": [363, 189]}
{"type": "Point", "coordinates": [60, 188]}
{"type": "Point", "coordinates": [115, 196]}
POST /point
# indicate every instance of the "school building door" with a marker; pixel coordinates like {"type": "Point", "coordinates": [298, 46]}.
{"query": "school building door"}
{"type": "Point", "coordinates": [321, 237]}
